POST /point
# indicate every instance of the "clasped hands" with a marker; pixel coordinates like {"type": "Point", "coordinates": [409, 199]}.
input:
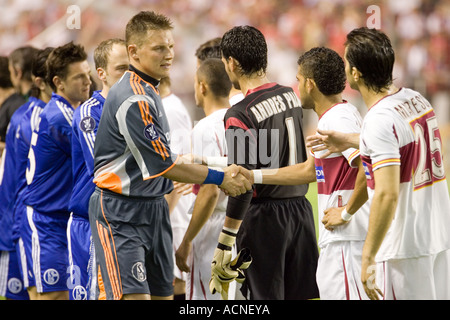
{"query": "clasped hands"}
{"type": "Point", "coordinates": [237, 180]}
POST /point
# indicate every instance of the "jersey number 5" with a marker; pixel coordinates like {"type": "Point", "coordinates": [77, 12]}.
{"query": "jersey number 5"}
{"type": "Point", "coordinates": [428, 167]}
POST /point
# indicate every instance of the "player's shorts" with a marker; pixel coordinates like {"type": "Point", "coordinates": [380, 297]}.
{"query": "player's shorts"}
{"type": "Point", "coordinates": [282, 240]}
{"type": "Point", "coordinates": [81, 258]}
{"type": "Point", "coordinates": [49, 252]}
{"type": "Point", "coordinates": [133, 245]}
{"type": "Point", "coordinates": [203, 246]}
{"type": "Point", "coordinates": [11, 283]}
{"type": "Point", "coordinates": [422, 278]}
{"type": "Point", "coordinates": [339, 271]}
{"type": "Point", "coordinates": [25, 249]}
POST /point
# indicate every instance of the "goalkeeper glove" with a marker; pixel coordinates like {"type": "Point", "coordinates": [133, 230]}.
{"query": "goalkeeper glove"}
{"type": "Point", "coordinates": [223, 270]}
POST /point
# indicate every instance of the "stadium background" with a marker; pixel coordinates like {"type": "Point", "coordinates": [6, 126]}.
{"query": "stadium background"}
{"type": "Point", "coordinates": [419, 30]}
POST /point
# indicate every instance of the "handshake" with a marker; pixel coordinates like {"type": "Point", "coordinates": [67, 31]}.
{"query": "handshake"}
{"type": "Point", "coordinates": [237, 180]}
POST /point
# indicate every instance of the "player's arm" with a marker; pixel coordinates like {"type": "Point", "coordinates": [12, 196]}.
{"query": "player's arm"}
{"type": "Point", "coordinates": [382, 212]}
{"type": "Point", "coordinates": [203, 208]}
{"type": "Point", "coordinates": [337, 216]}
{"type": "Point", "coordinates": [300, 173]}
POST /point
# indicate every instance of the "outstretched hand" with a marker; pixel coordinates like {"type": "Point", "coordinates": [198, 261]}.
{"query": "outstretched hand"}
{"type": "Point", "coordinates": [332, 141]}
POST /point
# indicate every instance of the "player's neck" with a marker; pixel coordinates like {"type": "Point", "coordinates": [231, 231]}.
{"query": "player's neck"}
{"type": "Point", "coordinates": [213, 105]}
{"type": "Point", "coordinates": [371, 97]}
{"type": "Point", "coordinates": [74, 104]}
{"type": "Point", "coordinates": [323, 103]}
{"type": "Point", "coordinates": [247, 83]}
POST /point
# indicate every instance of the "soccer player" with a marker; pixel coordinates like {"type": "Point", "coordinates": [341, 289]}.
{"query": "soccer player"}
{"type": "Point", "coordinates": [340, 177]}
{"type": "Point", "coordinates": [264, 130]}
{"type": "Point", "coordinates": [180, 124]}
{"type": "Point", "coordinates": [20, 64]}
{"type": "Point", "coordinates": [10, 100]}
{"type": "Point", "coordinates": [49, 175]}
{"type": "Point", "coordinates": [211, 87]}
{"type": "Point", "coordinates": [111, 61]}
{"type": "Point", "coordinates": [133, 165]}
{"type": "Point", "coordinates": [11, 176]}
{"type": "Point", "coordinates": [211, 49]}
{"type": "Point", "coordinates": [22, 234]}
{"type": "Point", "coordinates": [400, 144]}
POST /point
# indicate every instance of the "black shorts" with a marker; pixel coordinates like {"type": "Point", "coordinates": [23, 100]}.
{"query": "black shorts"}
{"type": "Point", "coordinates": [133, 244]}
{"type": "Point", "coordinates": [282, 239]}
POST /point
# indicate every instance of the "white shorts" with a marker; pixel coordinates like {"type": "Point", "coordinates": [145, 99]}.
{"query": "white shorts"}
{"type": "Point", "coordinates": [423, 278]}
{"type": "Point", "coordinates": [339, 271]}
{"type": "Point", "coordinates": [203, 246]}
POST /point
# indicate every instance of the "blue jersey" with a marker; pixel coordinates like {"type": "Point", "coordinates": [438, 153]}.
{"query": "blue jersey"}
{"type": "Point", "coordinates": [49, 175]}
{"type": "Point", "coordinates": [84, 129]}
{"type": "Point", "coordinates": [28, 123]}
{"type": "Point", "coordinates": [8, 181]}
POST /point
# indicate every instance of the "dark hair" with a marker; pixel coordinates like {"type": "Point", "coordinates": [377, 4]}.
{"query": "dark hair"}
{"type": "Point", "coordinates": [370, 51]}
{"type": "Point", "coordinates": [212, 71]}
{"type": "Point", "coordinates": [5, 76]}
{"type": "Point", "coordinates": [22, 58]}
{"type": "Point", "coordinates": [38, 67]}
{"type": "Point", "coordinates": [59, 60]}
{"type": "Point", "coordinates": [209, 49]}
{"type": "Point", "coordinates": [101, 53]}
{"type": "Point", "coordinates": [325, 67]}
{"type": "Point", "coordinates": [248, 46]}
{"type": "Point", "coordinates": [139, 25]}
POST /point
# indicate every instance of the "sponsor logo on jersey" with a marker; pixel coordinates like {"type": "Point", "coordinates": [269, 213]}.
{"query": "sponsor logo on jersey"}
{"type": "Point", "coordinates": [150, 132]}
{"type": "Point", "coordinates": [319, 174]}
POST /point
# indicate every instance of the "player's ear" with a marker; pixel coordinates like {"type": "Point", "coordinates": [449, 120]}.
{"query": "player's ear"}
{"type": "Point", "coordinates": [101, 74]}
{"type": "Point", "coordinates": [356, 74]}
{"type": "Point", "coordinates": [57, 81]}
{"type": "Point", "coordinates": [310, 84]}
{"type": "Point", "coordinates": [132, 52]}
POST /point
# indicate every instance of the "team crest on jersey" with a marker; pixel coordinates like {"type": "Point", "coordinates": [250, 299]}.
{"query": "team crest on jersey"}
{"type": "Point", "coordinates": [87, 124]}
{"type": "Point", "coordinates": [150, 132]}
{"type": "Point", "coordinates": [319, 174]}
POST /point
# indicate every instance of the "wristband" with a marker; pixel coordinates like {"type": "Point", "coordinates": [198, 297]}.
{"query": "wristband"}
{"type": "Point", "coordinates": [214, 177]}
{"type": "Point", "coordinates": [345, 215]}
{"type": "Point", "coordinates": [257, 176]}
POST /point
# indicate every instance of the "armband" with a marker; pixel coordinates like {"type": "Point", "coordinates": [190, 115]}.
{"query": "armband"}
{"type": "Point", "coordinates": [214, 177]}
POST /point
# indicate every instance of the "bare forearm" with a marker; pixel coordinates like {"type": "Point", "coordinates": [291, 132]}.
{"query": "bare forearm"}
{"type": "Point", "coordinates": [359, 195]}
{"type": "Point", "coordinates": [301, 173]}
{"type": "Point", "coordinates": [204, 206]}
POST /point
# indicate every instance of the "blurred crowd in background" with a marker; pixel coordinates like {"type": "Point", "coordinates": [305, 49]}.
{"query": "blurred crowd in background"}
{"type": "Point", "coordinates": [419, 30]}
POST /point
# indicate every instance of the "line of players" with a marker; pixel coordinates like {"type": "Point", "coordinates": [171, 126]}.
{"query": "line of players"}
{"type": "Point", "coordinates": [341, 240]}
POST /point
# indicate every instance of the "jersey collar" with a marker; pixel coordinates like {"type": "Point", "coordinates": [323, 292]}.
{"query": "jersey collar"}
{"type": "Point", "coordinates": [144, 76]}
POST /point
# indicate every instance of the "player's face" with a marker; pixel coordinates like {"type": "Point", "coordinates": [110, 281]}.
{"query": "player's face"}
{"type": "Point", "coordinates": [348, 72]}
{"type": "Point", "coordinates": [75, 87]}
{"type": "Point", "coordinates": [305, 97]}
{"type": "Point", "coordinates": [155, 55]}
{"type": "Point", "coordinates": [197, 93]}
{"type": "Point", "coordinates": [117, 64]}
{"type": "Point", "coordinates": [231, 75]}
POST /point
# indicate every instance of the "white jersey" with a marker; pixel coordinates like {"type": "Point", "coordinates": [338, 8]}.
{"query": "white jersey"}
{"type": "Point", "coordinates": [180, 131]}
{"type": "Point", "coordinates": [336, 176]}
{"type": "Point", "coordinates": [208, 140]}
{"type": "Point", "coordinates": [401, 129]}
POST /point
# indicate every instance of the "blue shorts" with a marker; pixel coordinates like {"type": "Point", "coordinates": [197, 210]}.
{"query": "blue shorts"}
{"type": "Point", "coordinates": [11, 283]}
{"type": "Point", "coordinates": [81, 258]}
{"type": "Point", "coordinates": [49, 253]}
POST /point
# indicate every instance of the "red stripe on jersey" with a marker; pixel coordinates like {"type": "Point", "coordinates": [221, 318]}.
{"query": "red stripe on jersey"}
{"type": "Point", "coordinates": [336, 175]}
